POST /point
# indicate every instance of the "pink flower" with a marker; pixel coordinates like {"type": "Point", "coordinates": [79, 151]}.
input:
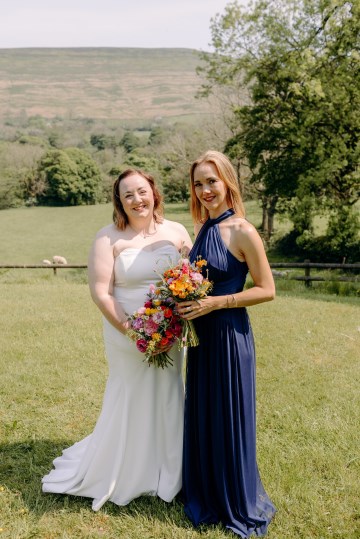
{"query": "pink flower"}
{"type": "Point", "coordinates": [150, 327]}
{"type": "Point", "coordinates": [196, 277]}
{"type": "Point", "coordinates": [158, 317]}
{"type": "Point", "coordinates": [152, 288]}
{"type": "Point", "coordinates": [141, 310]}
{"type": "Point", "coordinates": [141, 345]}
{"type": "Point", "coordinates": [185, 268]}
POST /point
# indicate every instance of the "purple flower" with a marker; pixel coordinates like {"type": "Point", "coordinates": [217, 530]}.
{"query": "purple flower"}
{"type": "Point", "coordinates": [137, 323]}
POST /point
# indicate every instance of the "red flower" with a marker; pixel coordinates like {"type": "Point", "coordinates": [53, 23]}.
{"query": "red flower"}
{"type": "Point", "coordinates": [164, 341]}
{"type": "Point", "coordinates": [148, 304]}
{"type": "Point", "coordinates": [177, 329]}
{"type": "Point", "coordinates": [168, 313]}
{"type": "Point", "coordinates": [141, 345]}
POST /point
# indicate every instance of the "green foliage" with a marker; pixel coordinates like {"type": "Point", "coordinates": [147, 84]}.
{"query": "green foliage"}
{"type": "Point", "coordinates": [102, 141]}
{"type": "Point", "coordinates": [56, 139]}
{"type": "Point", "coordinates": [130, 141]}
{"type": "Point", "coordinates": [31, 139]}
{"type": "Point", "coordinates": [176, 189]}
{"type": "Point", "coordinates": [157, 136]}
{"type": "Point", "coordinates": [317, 248]}
{"type": "Point", "coordinates": [17, 163]}
{"type": "Point", "coordinates": [300, 131]}
{"type": "Point", "coordinates": [148, 163]}
{"type": "Point", "coordinates": [10, 194]}
{"type": "Point", "coordinates": [71, 178]}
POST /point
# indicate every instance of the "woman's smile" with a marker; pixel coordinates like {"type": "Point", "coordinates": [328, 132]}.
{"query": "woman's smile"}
{"type": "Point", "coordinates": [210, 189]}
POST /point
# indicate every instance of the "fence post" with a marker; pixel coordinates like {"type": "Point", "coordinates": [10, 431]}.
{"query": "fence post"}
{"type": "Point", "coordinates": [54, 270]}
{"type": "Point", "coordinates": [307, 273]}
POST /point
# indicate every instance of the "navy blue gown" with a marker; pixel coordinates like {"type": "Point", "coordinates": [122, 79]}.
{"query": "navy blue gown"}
{"type": "Point", "coordinates": [221, 481]}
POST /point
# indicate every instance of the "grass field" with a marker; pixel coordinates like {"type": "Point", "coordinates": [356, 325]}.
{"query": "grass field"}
{"type": "Point", "coordinates": [33, 234]}
{"type": "Point", "coordinates": [53, 373]}
{"type": "Point", "coordinates": [53, 376]}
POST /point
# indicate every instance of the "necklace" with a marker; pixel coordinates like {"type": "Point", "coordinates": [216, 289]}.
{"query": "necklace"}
{"type": "Point", "coordinates": [143, 233]}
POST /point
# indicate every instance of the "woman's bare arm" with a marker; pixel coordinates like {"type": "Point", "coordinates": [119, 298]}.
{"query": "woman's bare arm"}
{"type": "Point", "coordinates": [101, 278]}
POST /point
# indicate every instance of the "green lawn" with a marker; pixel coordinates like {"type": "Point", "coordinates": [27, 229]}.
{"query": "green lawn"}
{"type": "Point", "coordinates": [33, 234]}
{"type": "Point", "coordinates": [53, 373]}
{"type": "Point", "coordinates": [53, 376]}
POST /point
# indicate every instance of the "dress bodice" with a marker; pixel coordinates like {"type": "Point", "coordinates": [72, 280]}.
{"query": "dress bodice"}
{"type": "Point", "coordinates": [136, 269]}
{"type": "Point", "coordinates": [227, 273]}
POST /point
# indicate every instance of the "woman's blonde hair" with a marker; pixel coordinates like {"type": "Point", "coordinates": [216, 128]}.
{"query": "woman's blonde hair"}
{"type": "Point", "coordinates": [119, 216]}
{"type": "Point", "coordinates": [227, 174]}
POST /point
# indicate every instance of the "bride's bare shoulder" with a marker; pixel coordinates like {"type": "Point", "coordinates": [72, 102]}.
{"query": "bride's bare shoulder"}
{"type": "Point", "coordinates": [109, 231]}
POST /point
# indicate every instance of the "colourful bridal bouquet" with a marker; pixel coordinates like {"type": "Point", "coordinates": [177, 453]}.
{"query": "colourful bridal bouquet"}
{"type": "Point", "coordinates": [184, 282]}
{"type": "Point", "coordinates": [155, 327]}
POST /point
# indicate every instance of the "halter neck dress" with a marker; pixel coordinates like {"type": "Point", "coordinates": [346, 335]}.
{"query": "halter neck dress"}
{"type": "Point", "coordinates": [221, 482]}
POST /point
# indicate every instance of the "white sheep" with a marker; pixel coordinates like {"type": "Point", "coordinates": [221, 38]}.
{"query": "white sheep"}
{"type": "Point", "coordinates": [59, 260]}
{"type": "Point", "coordinates": [46, 262]}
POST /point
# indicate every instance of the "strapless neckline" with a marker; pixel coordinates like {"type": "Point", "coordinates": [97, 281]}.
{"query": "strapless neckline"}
{"type": "Point", "coordinates": [143, 249]}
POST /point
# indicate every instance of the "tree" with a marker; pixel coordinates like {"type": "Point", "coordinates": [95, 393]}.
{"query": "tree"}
{"type": "Point", "coordinates": [300, 133]}
{"type": "Point", "coordinates": [102, 141]}
{"type": "Point", "coordinates": [130, 141]}
{"type": "Point", "coordinates": [71, 178]}
{"type": "Point", "coordinates": [17, 165]}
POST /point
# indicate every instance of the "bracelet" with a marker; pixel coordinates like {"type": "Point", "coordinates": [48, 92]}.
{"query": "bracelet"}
{"type": "Point", "coordinates": [233, 301]}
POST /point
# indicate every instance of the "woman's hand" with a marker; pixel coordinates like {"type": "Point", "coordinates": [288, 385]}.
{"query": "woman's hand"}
{"type": "Point", "coordinates": [197, 307]}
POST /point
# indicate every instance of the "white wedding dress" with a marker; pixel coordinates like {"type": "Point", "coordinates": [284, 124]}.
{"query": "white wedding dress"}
{"type": "Point", "coordinates": [136, 446]}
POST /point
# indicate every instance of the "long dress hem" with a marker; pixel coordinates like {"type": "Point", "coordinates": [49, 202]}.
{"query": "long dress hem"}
{"type": "Point", "coordinates": [136, 446]}
{"type": "Point", "coordinates": [221, 482]}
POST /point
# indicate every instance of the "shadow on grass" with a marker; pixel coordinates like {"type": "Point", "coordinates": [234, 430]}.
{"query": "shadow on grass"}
{"type": "Point", "coordinates": [23, 464]}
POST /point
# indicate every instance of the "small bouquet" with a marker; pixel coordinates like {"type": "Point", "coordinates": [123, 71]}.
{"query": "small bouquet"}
{"type": "Point", "coordinates": [184, 282]}
{"type": "Point", "coordinates": [155, 327]}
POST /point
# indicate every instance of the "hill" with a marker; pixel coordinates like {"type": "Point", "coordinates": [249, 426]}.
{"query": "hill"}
{"type": "Point", "coordinates": [110, 83]}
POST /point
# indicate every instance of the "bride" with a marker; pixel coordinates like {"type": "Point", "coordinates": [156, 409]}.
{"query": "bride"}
{"type": "Point", "coordinates": [136, 446]}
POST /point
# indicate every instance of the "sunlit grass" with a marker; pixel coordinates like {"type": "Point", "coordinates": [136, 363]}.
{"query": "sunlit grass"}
{"type": "Point", "coordinates": [34, 234]}
{"type": "Point", "coordinates": [53, 376]}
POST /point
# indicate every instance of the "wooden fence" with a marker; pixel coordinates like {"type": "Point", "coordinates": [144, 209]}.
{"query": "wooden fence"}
{"type": "Point", "coordinates": [307, 266]}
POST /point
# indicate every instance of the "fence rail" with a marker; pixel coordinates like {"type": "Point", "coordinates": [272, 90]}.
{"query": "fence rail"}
{"type": "Point", "coordinates": [307, 266]}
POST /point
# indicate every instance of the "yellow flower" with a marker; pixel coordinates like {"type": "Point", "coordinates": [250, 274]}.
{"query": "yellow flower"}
{"type": "Point", "coordinates": [156, 337]}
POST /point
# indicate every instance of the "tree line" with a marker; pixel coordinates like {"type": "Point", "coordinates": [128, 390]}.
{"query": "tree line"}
{"type": "Point", "coordinates": [284, 80]}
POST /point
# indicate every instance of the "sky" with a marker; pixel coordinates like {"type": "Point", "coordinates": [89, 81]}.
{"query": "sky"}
{"type": "Point", "coordinates": [108, 23]}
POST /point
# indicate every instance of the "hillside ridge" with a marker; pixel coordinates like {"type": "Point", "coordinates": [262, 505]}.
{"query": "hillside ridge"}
{"type": "Point", "coordinates": [100, 82]}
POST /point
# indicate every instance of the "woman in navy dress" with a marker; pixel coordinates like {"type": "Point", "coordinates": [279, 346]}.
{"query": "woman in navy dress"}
{"type": "Point", "coordinates": [221, 482]}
